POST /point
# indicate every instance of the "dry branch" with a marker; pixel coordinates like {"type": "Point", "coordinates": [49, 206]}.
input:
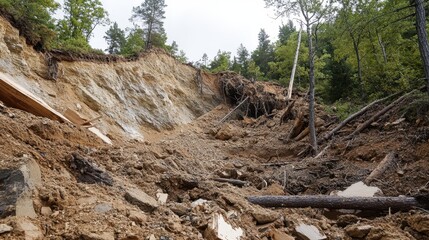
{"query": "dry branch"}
{"type": "Point", "coordinates": [355, 115]}
{"type": "Point", "coordinates": [380, 113]}
{"type": "Point", "coordinates": [302, 134]}
{"type": "Point", "coordinates": [297, 126]}
{"type": "Point", "coordinates": [336, 202]}
{"type": "Point", "coordinates": [234, 182]}
{"type": "Point", "coordinates": [382, 167]}
{"type": "Point", "coordinates": [287, 112]}
{"type": "Point", "coordinates": [233, 110]}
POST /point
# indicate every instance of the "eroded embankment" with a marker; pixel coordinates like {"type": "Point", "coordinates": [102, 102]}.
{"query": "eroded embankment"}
{"type": "Point", "coordinates": [134, 98]}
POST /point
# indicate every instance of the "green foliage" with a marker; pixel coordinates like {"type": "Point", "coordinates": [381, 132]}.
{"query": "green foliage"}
{"type": "Point", "coordinates": [77, 45]}
{"type": "Point", "coordinates": [134, 43]}
{"type": "Point", "coordinates": [115, 38]}
{"type": "Point", "coordinates": [241, 63]}
{"type": "Point", "coordinates": [254, 71]}
{"type": "Point", "coordinates": [33, 19]}
{"type": "Point", "coordinates": [81, 17]}
{"type": "Point", "coordinates": [418, 109]}
{"type": "Point", "coordinates": [151, 13]}
{"type": "Point", "coordinates": [221, 62]}
{"type": "Point", "coordinates": [342, 108]}
{"type": "Point", "coordinates": [285, 32]}
{"type": "Point", "coordinates": [264, 53]}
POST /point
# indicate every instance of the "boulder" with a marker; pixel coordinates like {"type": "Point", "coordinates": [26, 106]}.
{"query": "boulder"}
{"type": "Point", "coordinates": [358, 231]}
{"type": "Point", "coordinates": [141, 199]}
{"type": "Point", "coordinates": [264, 216]}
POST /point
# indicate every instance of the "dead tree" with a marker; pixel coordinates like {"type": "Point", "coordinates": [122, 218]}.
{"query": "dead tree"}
{"type": "Point", "coordinates": [337, 202]}
{"type": "Point", "coordinates": [295, 62]}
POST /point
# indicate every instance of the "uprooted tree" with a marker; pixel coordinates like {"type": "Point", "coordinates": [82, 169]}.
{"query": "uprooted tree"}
{"type": "Point", "coordinates": [312, 12]}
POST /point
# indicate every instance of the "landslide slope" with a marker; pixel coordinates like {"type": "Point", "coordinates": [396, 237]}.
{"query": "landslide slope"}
{"type": "Point", "coordinates": [134, 98]}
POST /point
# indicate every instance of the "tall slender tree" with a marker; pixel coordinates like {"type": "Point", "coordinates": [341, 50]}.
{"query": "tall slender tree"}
{"type": "Point", "coordinates": [422, 36]}
{"type": "Point", "coordinates": [264, 53]}
{"type": "Point", "coordinates": [312, 12]}
{"type": "Point", "coordinates": [115, 38]}
{"type": "Point", "coordinates": [151, 13]}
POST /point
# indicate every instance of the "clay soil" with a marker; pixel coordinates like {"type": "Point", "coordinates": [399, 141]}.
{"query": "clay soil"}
{"type": "Point", "coordinates": [183, 163]}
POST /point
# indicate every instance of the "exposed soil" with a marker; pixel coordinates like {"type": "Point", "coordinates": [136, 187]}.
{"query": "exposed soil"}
{"type": "Point", "coordinates": [182, 163]}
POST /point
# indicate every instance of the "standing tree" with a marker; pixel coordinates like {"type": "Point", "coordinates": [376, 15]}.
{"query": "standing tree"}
{"type": "Point", "coordinates": [285, 31]}
{"type": "Point", "coordinates": [422, 36]}
{"type": "Point", "coordinates": [312, 12]}
{"type": "Point", "coordinates": [243, 60]}
{"type": "Point", "coordinates": [33, 18]}
{"type": "Point", "coordinates": [264, 53]}
{"type": "Point", "coordinates": [221, 62]}
{"type": "Point", "coordinates": [115, 37]}
{"type": "Point", "coordinates": [151, 13]}
{"type": "Point", "coordinates": [81, 17]}
{"type": "Point", "coordinates": [134, 43]}
{"type": "Point", "coordinates": [205, 60]}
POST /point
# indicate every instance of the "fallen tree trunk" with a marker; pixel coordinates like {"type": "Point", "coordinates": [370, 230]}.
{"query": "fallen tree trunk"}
{"type": "Point", "coordinates": [382, 167]}
{"type": "Point", "coordinates": [336, 202]}
{"type": "Point", "coordinates": [380, 113]}
{"type": "Point", "coordinates": [233, 110]}
{"type": "Point", "coordinates": [355, 115]}
{"type": "Point", "coordinates": [234, 182]}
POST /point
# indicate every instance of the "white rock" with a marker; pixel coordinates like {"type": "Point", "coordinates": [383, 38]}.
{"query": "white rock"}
{"type": "Point", "coordinates": [31, 231]}
{"type": "Point", "coordinates": [5, 228]}
{"type": "Point", "coordinates": [198, 202]}
{"type": "Point", "coordinates": [309, 232]}
{"type": "Point", "coordinates": [219, 229]}
{"type": "Point", "coordinates": [359, 189]}
{"type": "Point", "coordinates": [162, 198]}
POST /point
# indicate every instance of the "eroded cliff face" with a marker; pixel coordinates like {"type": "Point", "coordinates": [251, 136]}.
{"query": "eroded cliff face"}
{"type": "Point", "coordinates": [134, 98]}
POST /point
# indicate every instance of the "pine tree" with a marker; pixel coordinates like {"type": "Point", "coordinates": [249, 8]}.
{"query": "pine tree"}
{"type": "Point", "coordinates": [264, 53]}
{"type": "Point", "coordinates": [115, 37]}
{"type": "Point", "coordinates": [243, 60]}
{"type": "Point", "coordinates": [151, 13]}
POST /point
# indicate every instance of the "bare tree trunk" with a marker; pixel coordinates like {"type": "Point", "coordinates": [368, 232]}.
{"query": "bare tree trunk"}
{"type": "Point", "coordinates": [295, 62]}
{"type": "Point", "coordinates": [311, 120]}
{"type": "Point", "coordinates": [383, 48]}
{"type": "Point", "coordinates": [422, 36]}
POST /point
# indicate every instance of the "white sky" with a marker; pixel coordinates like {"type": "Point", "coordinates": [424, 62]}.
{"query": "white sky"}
{"type": "Point", "coordinates": [201, 26]}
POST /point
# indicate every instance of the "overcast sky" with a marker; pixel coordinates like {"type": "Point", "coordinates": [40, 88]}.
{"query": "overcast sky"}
{"type": "Point", "coordinates": [202, 26]}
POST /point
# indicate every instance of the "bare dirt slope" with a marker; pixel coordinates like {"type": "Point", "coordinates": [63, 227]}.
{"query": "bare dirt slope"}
{"type": "Point", "coordinates": [90, 190]}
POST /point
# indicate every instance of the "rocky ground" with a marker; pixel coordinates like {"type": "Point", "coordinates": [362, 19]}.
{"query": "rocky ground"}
{"type": "Point", "coordinates": [166, 188]}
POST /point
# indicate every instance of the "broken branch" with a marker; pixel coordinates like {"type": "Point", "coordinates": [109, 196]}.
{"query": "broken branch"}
{"type": "Point", "coordinates": [382, 167]}
{"type": "Point", "coordinates": [234, 182]}
{"type": "Point", "coordinates": [355, 115]}
{"type": "Point", "coordinates": [233, 110]}
{"type": "Point", "coordinates": [380, 113]}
